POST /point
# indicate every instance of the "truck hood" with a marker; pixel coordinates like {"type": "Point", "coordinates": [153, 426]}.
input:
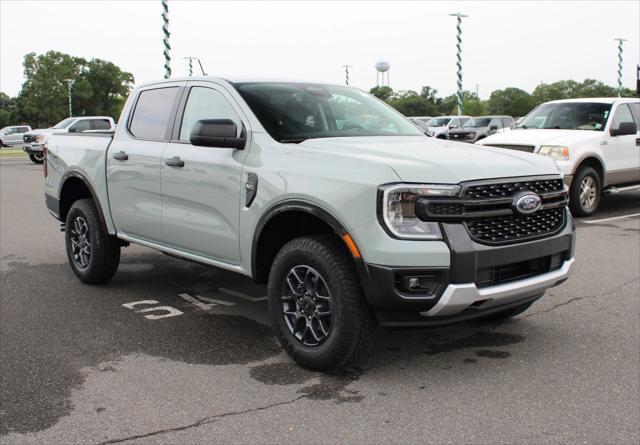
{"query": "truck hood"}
{"type": "Point", "coordinates": [543, 137]}
{"type": "Point", "coordinates": [423, 159]}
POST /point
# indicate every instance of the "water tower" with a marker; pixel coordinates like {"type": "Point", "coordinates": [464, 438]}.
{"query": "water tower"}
{"type": "Point", "coordinates": [382, 67]}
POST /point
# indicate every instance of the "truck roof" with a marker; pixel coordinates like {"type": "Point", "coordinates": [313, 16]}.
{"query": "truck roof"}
{"type": "Point", "coordinates": [237, 79]}
{"type": "Point", "coordinates": [605, 100]}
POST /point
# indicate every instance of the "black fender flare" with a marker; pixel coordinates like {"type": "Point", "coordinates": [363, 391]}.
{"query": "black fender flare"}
{"type": "Point", "coordinates": [79, 175]}
{"type": "Point", "coordinates": [314, 210]}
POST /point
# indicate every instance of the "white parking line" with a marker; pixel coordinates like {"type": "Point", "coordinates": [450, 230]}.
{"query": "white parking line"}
{"type": "Point", "coordinates": [241, 295]}
{"type": "Point", "coordinates": [611, 219]}
{"type": "Point", "coordinates": [215, 301]}
{"type": "Point", "coordinates": [196, 302]}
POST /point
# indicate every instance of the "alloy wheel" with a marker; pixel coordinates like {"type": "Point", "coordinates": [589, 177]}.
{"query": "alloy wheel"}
{"type": "Point", "coordinates": [588, 192]}
{"type": "Point", "coordinates": [80, 242]}
{"type": "Point", "coordinates": [306, 302]}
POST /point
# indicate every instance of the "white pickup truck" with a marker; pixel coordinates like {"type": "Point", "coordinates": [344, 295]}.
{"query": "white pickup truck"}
{"type": "Point", "coordinates": [595, 142]}
{"type": "Point", "coordinates": [34, 140]}
{"type": "Point", "coordinates": [351, 215]}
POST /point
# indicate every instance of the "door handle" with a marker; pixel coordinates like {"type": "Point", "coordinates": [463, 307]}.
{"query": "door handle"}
{"type": "Point", "coordinates": [174, 162]}
{"type": "Point", "coordinates": [121, 156]}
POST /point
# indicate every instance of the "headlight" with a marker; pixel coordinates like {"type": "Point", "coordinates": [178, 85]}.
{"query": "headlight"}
{"type": "Point", "coordinates": [555, 152]}
{"type": "Point", "coordinates": [398, 209]}
{"type": "Point", "coordinates": [471, 135]}
{"type": "Point", "coordinates": [40, 138]}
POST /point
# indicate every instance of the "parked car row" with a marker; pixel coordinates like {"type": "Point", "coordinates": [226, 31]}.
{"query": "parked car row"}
{"type": "Point", "coordinates": [12, 136]}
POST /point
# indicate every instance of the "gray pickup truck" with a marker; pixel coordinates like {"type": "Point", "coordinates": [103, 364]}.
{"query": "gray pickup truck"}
{"type": "Point", "coordinates": [351, 215]}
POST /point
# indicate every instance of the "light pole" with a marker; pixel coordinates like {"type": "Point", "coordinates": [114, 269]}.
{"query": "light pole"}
{"type": "Point", "coordinates": [459, 56]}
{"type": "Point", "coordinates": [191, 59]}
{"type": "Point", "coordinates": [165, 40]}
{"type": "Point", "coordinates": [620, 40]}
{"type": "Point", "coordinates": [70, 83]}
{"type": "Point", "coordinates": [346, 73]}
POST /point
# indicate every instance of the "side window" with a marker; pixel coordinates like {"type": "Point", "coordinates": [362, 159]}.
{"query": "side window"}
{"type": "Point", "coordinates": [100, 124]}
{"type": "Point", "coordinates": [495, 122]}
{"type": "Point", "coordinates": [507, 122]}
{"type": "Point", "coordinates": [81, 126]}
{"type": "Point", "coordinates": [455, 123]}
{"type": "Point", "coordinates": [151, 115]}
{"type": "Point", "coordinates": [622, 114]}
{"type": "Point", "coordinates": [205, 103]}
{"type": "Point", "coordinates": [23, 129]}
{"type": "Point", "coordinates": [10, 131]}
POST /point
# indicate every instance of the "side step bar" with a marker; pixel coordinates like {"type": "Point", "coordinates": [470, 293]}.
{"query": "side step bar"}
{"type": "Point", "coordinates": [616, 190]}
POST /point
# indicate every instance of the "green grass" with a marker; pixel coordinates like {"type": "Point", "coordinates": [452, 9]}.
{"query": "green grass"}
{"type": "Point", "coordinates": [11, 151]}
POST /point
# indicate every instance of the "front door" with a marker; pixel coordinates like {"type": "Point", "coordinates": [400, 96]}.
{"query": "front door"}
{"type": "Point", "coordinates": [201, 186]}
{"type": "Point", "coordinates": [622, 153]}
{"type": "Point", "coordinates": [134, 160]}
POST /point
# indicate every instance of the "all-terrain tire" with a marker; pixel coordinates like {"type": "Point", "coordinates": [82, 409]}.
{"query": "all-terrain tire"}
{"type": "Point", "coordinates": [352, 324]}
{"type": "Point", "coordinates": [93, 254]}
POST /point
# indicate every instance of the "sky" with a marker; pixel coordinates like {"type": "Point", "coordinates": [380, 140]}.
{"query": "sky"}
{"type": "Point", "coordinates": [505, 43]}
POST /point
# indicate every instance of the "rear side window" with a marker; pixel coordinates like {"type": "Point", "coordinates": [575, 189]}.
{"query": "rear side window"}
{"type": "Point", "coordinates": [100, 124]}
{"type": "Point", "coordinates": [507, 122]}
{"type": "Point", "coordinates": [151, 115]}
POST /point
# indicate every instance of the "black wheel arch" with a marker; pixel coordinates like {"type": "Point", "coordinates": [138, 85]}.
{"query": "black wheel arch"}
{"type": "Point", "coordinates": [74, 186]}
{"type": "Point", "coordinates": [270, 234]}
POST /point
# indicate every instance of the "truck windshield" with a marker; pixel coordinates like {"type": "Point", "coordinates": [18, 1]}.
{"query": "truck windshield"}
{"type": "Point", "coordinates": [63, 124]}
{"type": "Point", "coordinates": [294, 112]}
{"type": "Point", "coordinates": [438, 122]}
{"type": "Point", "coordinates": [568, 116]}
{"type": "Point", "coordinates": [478, 122]}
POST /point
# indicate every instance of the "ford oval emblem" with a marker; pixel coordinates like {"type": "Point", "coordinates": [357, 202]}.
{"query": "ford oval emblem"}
{"type": "Point", "coordinates": [526, 203]}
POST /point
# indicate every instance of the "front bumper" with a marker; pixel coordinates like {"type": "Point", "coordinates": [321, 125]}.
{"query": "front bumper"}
{"type": "Point", "coordinates": [458, 296]}
{"type": "Point", "coordinates": [32, 148]}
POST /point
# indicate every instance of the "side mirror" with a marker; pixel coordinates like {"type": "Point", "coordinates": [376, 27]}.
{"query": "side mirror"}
{"type": "Point", "coordinates": [624, 129]}
{"type": "Point", "coordinates": [493, 128]}
{"type": "Point", "coordinates": [73, 130]}
{"type": "Point", "coordinates": [452, 126]}
{"type": "Point", "coordinates": [219, 133]}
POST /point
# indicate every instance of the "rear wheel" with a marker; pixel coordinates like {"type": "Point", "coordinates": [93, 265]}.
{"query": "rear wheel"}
{"type": "Point", "coordinates": [93, 255]}
{"type": "Point", "coordinates": [36, 158]}
{"type": "Point", "coordinates": [317, 306]}
{"type": "Point", "coordinates": [585, 192]}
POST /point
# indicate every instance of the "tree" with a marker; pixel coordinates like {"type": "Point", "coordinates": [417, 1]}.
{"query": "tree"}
{"type": "Point", "coordinates": [382, 92]}
{"type": "Point", "coordinates": [511, 101]}
{"type": "Point", "coordinates": [99, 88]}
{"type": "Point", "coordinates": [7, 110]}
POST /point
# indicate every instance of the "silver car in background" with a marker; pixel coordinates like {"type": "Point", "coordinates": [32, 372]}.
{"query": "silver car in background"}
{"type": "Point", "coordinates": [12, 136]}
{"type": "Point", "coordinates": [480, 127]}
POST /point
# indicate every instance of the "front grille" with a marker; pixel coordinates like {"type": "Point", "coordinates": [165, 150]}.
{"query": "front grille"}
{"type": "Point", "coordinates": [507, 189]}
{"type": "Point", "coordinates": [525, 148]}
{"type": "Point", "coordinates": [512, 228]}
{"type": "Point", "coordinates": [445, 208]}
{"type": "Point", "coordinates": [506, 273]}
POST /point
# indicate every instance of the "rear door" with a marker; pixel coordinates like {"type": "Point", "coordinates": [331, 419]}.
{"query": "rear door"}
{"type": "Point", "coordinates": [622, 154]}
{"type": "Point", "coordinates": [201, 196]}
{"type": "Point", "coordinates": [134, 162]}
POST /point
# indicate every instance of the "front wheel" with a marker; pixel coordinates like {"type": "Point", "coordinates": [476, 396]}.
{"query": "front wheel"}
{"type": "Point", "coordinates": [317, 306]}
{"type": "Point", "coordinates": [585, 192]}
{"type": "Point", "coordinates": [93, 254]}
{"type": "Point", "coordinates": [36, 158]}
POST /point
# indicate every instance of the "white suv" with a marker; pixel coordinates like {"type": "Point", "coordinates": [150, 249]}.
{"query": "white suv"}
{"type": "Point", "coordinates": [595, 142]}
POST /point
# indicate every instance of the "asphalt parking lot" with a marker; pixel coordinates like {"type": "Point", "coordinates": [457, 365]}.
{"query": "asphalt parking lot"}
{"type": "Point", "coordinates": [86, 364]}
